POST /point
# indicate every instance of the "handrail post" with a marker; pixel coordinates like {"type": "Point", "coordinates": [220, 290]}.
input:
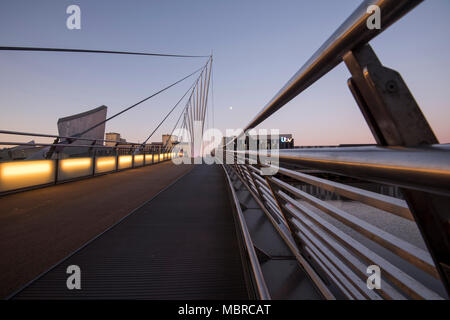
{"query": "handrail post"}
{"type": "Point", "coordinates": [117, 158]}
{"type": "Point", "coordinates": [153, 154]}
{"type": "Point", "coordinates": [391, 111]}
{"type": "Point", "coordinates": [93, 162]}
{"type": "Point", "coordinates": [56, 167]}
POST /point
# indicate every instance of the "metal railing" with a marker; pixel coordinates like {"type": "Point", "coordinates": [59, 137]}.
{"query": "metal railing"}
{"type": "Point", "coordinates": [325, 234]}
{"type": "Point", "coordinates": [350, 35]}
{"type": "Point", "coordinates": [88, 160]}
{"type": "Point", "coordinates": [62, 142]}
{"type": "Point", "coordinates": [260, 285]}
{"type": "Point", "coordinates": [335, 245]}
{"type": "Point", "coordinates": [425, 168]}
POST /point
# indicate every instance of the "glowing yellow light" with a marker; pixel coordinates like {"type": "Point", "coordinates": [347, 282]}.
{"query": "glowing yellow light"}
{"type": "Point", "coordinates": [22, 174]}
{"type": "Point", "coordinates": [26, 168]}
{"type": "Point", "coordinates": [105, 164]}
{"type": "Point", "coordinates": [125, 162]}
{"type": "Point", "coordinates": [68, 164]}
{"type": "Point", "coordinates": [148, 157]}
{"type": "Point", "coordinates": [125, 159]}
{"type": "Point", "coordinates": [138, 159]}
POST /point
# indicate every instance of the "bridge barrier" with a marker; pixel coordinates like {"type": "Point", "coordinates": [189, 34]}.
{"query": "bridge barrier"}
{"type": "Point", "coordinates": [399, 126]}
{"type": "Point", "coordinates": [72, 168]}
{"type": "Point", "coordinates": [105, 164]}
{"type": "Point", "coordinates": [337, 244]}
{"type": "Point", "coordinates": [148, 159]}
{"type": "Point", "coordinates": [25, 174]}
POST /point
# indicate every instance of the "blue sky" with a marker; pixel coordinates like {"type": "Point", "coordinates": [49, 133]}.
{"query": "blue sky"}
{"type": "Point", "coordinates": [257, 47]}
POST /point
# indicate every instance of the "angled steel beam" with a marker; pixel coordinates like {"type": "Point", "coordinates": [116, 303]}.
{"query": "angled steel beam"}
{"type": "Point", "coordinates": [351, 34]}
{"type": "Point", "coordinates": [395, 119]}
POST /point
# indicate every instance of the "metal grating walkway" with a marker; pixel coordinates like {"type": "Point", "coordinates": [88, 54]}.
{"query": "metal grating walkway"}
{"type": "Point", "coordinates": [180, 245]}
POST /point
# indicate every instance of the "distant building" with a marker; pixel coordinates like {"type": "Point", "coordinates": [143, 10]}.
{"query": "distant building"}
{"type": "Point", "coordinates": [75, 124]}
{"type": "Point", "coordinates": [285, 141]}
{"type": "Point", "coordinates": [167, 142]}
{"type": "Point", "coordinates": [114, 136]}
{"type": "Point", "coordinates": [19, 152]}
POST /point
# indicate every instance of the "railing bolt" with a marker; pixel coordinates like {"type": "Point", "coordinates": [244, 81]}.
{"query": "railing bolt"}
{"type": "Point", "coordinates": [391, 86]}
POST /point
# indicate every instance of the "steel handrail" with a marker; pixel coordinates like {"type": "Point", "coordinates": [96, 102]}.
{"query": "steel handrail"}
{"type": "Point", "coordinates": [303, 219]}
{"type": "Point", "coordinates": [94, 146]}
{"type": "Point", "coordinates": [65, 137]}
{"type": "Point", "coordinates": [351, 34]}
{"type": "Point", "coordinates": [422, 168]}
{"type": "Point", "coordinates": [263, 292]}
{"type": "Point", "coordinates": [288, 241]}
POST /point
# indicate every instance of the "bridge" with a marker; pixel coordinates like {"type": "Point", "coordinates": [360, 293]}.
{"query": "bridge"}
{"type": "Point", "coordinates": [140, 223]}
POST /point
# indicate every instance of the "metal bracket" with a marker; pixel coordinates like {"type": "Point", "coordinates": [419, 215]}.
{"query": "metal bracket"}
{"type": "Point", "coordinates": [90, 149]}
{"type": "Point", "coordinates": [395, 119]}
{"type": "Point", "coordinates": [52, 149]}
{"type": "Point", "coordinates": [262, 256]}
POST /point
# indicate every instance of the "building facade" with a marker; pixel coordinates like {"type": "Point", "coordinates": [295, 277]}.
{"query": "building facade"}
{"type": "Point", "coordinates": [114, 136]}
{"type": "Point", "coordinates": [77, 123]}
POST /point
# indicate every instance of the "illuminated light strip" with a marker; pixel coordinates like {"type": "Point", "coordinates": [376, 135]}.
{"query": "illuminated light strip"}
{"type": "Point", "coordinates": [125, 159]}
{"type": "Point", "coordinates": [139, 160]}
{"type": "Point", "coordinates": [105, 162]}
{"type": "Point", "coordinates": [26, 168]}
{"type": "Point", "coordinates": [76, 163]}
{"type": "Point", "coordinates": [148, 158]}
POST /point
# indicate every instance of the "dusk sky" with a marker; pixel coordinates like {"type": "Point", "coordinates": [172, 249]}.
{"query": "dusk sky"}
{"type": "Point", "coordinates": [257, 46]}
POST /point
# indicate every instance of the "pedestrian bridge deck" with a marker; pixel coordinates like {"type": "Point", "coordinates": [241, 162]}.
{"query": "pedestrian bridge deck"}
{"type": "Point", "coordinates": [40, 227]}
{"type": "Point", "coordinates": [180, 245]}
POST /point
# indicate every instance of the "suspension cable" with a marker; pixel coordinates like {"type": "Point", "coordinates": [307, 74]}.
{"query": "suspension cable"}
{"type": "Point", "coordinates": [138, 103]}
{"type": "Point", "coordinates": [98, 51]}
{"type": "Point", "coordinates": [170, 112]}
{"type": "Point", "coordinates": [176, 124]}
{"type": "Point", "coordinates": [197, 102]}
{"type": "Point", "coordinates": [75, 136]}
